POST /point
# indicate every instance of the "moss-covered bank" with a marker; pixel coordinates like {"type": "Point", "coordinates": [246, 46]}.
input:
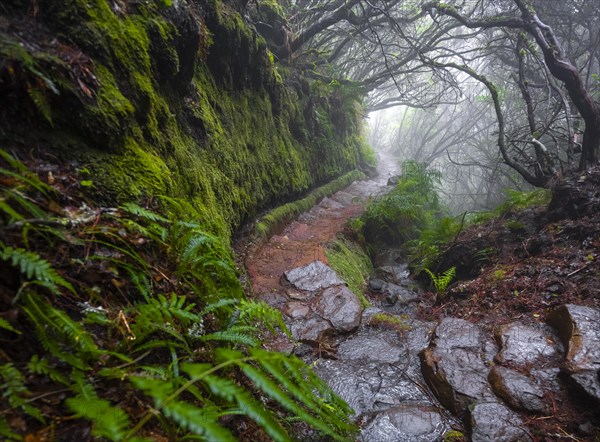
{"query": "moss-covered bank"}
{"type": "Point", "coordinates": [179, 107]}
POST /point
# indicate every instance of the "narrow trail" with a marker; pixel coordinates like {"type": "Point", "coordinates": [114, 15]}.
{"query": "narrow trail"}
{"type": "Point", "coordinates": [381, 359]}
{"type": "Point", "coordinates": [484, 382]}
{"type": "Point", "coordinates": [304, 239]}
{"type": "Point", "coordinates": [375, 368]}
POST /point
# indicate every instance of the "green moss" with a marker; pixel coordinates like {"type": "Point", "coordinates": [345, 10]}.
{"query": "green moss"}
{"type": "Point", "coordinates": [281, 215]}
{"type": "Point", "coordinates": [352, 264]}
{"type": "Point", "coordinates": [238, 137]}
{"type": "Point", "coordinates": [389, 321]}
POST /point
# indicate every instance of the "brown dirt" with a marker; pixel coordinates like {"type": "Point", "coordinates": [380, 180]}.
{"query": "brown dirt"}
{"type": "Point", "coordinates": [300, 243]}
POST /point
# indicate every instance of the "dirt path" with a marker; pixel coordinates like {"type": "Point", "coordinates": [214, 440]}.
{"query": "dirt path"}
{"type": "Point", "coordinates": [304, 240]}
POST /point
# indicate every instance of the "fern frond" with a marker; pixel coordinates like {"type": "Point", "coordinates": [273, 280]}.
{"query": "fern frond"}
{"type": "Point", "coordinates": [229, 391]}
{"type": "Point", "coordinates": [33, 266]}
{"type": "Point", "coordinates": [200, 421]}
{"type": "Point", "coordinates": [59, 334]}
{"type": "Point", "coordinates": [6, 326]}
{"type": "Point", "coordinates": [136, 210]}
{"type": "Point", "coordinates": [252, 312]}
{"type": "Point", "coordinates": [221, 303]}
{"type": "Point", "coordinates": [232, 336]}
{"type": "Point", "coordinates": [443, 280]}
{"type": "Point", "coordinates": [107, 421]}
{"type": "Point", "coordinates": [13, 389]}
{"type": "Point", "coordinates": [41, 366]}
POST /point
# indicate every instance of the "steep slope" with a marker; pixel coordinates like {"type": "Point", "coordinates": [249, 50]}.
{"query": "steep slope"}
{"type": "Point", "coordinates": [182, 101]}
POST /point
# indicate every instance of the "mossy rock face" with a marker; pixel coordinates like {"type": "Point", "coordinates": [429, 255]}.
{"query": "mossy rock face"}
{"type": "Point", "coordinates": [175, 103]}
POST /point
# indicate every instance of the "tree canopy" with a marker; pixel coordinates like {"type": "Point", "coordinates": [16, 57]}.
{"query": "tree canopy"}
{"type": "Point", "coordinates": [534, 62]}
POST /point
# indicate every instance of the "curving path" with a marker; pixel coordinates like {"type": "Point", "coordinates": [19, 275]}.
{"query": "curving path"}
{"type": "Point", "coordinates": [409, 380]}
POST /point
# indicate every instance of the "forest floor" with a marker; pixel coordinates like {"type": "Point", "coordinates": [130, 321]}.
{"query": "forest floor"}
{"type": "Point", "coordinates": [525, 263]}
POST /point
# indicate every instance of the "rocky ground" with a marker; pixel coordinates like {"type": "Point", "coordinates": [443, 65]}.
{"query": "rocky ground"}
{"type": "Point", "coordinates": [510, 353]}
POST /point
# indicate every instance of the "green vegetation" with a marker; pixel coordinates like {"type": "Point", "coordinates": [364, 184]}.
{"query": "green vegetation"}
{"type": "Point", "coordinates": [410, 207]}
{"type": "Point", "coordinates": [177, 104]}
{"type": "Point", "coordinates": [443, 280]}
{"type": "Point", "coordinates": [386, 320]}
{"type": "Point", "coordinates": [515, 201]}
{"type": "Point", "coordinates": [283, 214]}
{"type": "Point", "coordinates": [413, 215]}
{"type": "Point", "coordinates": [138, 322]}
{"type": "Point", "coordinates": [352, 264]}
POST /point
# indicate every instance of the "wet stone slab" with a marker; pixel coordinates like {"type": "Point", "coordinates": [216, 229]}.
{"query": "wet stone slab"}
{"type": "Point", "coordinates": [409, 422]}
{"type": "Point", "coordinates": [340, 307]}
{"type": "Point", "coordinates": [494, 422]}
{"type": "Point", "coordinates": [522, 345]}
{"type": "Point", "coordinates": [374, 345]}
{"type": "Point", "coordinates": [370, 386]}
{"type": "Point", "coordinates": [517, 390]}
{"type": "Point", "coordinates": [456, 364]}
{"type": "Point", "coordinates": [312, 277]}
{"type": "Point", "coordinates": [579, 329]}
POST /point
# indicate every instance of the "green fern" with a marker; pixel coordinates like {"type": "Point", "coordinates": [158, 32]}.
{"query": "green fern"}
{"type": "Point", "coordinates": [34, 267]}
{"type": "Point", "coordinates": [15, 392]}
{"type": "Point", "coordinates": [108, 421]}
{"type": "Point", "coordinates": [201, 421]}
{"type": "Point", "coordinates": [6, 326]}
{"type": "Point", "coordinates": [59, 334]}
{"type": "Point", "coordinates": [253, 312]}
{"type": "Point", "coordinates": [41, 366]}
{"type": "Point", "coordinates": [443, 280]}
{"type": "Point", "coordinates": [146, 214]}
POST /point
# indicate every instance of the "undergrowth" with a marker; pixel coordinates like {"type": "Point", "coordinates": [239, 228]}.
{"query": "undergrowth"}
{"type": "Point", "coordinates": [352, 264]}
{"type": "Point", "coordinates": [132, 325]}
{"type": "Point", "coordinates": [413, 216]}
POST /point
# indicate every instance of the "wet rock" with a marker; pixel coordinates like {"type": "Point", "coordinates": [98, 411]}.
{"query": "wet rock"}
{"type": "Point", "coordinates": [296, 310]}
{"type": "Point", "coordinates": [393, 180]}
{"type": "Point", "coordinates": [406, 423]}
{"type": "Point", "coordinates": [548, 378]}
{"type": "Point", "coordinates": [374, 345]}
{"type": "Point", "coordinates": [312, 277]}
{"type": "Point", "coordinates": [369, 386]}
{"type": "Point", "coordinates": [494, 422]}
{"type": "Point", "coordinates": [517, 390]}
{"type": "Point", "coordinates": [395, 274]}
{"type": "Point", "coordinates": [344, 198]}
{"type": "Point", "coordinates": [522, 345]}
{"type": "Point", "coordinates": [455, 364]}
{"type": "Point", "coordinates": [310, 330]}
{"type": "Point", "coordinates": [579, 329]}
{"type": "Point", "coordinates": [397, 294]}
{"type": "Point", "coordinates": [299, 296]}
{"type": "Point", "coordinates": [340, 307]}
{"type": "Point", "coordinates": [329, 203]}
{"type": "Point", "coordinates": [376, 285]}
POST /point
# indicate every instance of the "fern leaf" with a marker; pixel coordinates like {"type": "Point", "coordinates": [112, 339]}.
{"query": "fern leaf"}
{"type": "Point", "coordinates": [107, 421]}
{"type": "Point", "coordinates": [136, 210]}
{"type": "Point", "coordinates": [13, 389]}
{"type": "Point", "coordinates": [41, 366]}
{"type": "Point", "coordinates": [6, 326]}
{"type": "Point", "coordinates": [221, 303]}
{"type": "Point", "coordinates": [59, 334]}
{"type": "Point", "coordinates": [33, 266]}
{"type": "Point", "coordinates": [228, 390]}
{"type": "Point", "coordinates": [271, 389]}
{"type": "Point", "coordinates": [231, 336]}
{"type": "Point", "coordinates": [200, 421]}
